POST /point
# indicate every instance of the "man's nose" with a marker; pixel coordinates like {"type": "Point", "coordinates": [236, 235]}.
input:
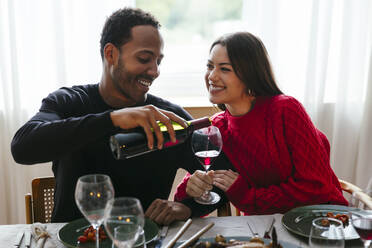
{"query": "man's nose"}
{"type": "Point", "coordinates": [154, 71]}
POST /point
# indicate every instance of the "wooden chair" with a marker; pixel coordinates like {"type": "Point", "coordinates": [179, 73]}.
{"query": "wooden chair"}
{"type": "Point", "coordinates": [39, 204]}
{"type": "Point", "coordinates": [345, 186]}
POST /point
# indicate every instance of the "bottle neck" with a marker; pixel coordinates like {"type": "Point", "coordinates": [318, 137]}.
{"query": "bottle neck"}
{"type": "Point", "coordinates": [199, 123]}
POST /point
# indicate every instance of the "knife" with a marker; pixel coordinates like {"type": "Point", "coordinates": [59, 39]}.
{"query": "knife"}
{"type": "Point", "coordinates": [28, 239]}
{"type": "Point", "coordinates": [18, 240]}
{"type": "Point", "coordinates": [163, 234]}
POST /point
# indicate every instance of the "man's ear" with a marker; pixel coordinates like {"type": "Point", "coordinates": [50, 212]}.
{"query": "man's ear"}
{"type": "Point", "coordinates": [111, 53]}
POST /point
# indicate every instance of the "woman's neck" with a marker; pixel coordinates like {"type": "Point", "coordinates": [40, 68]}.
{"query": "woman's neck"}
{"type": "Point", "coordinates": [242, 107]}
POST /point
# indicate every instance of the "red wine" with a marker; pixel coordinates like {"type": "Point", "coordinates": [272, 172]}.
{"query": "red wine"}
{"type": "Point", "coordinates": [131, 143]}
{"type": "Point", "coordinates": [207, 157]}
{"type": "Point", "coordinates": [363, 226]}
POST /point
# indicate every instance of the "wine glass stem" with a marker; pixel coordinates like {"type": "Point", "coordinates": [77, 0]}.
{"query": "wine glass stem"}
{"type": "Point", "coordinates": [96, 227]}
{"type": "Point", "coordinates": [367, 243]}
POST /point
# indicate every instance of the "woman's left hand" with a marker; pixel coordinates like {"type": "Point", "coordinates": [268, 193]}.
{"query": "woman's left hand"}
{"type": "Point", "coordinates": [223, 179]}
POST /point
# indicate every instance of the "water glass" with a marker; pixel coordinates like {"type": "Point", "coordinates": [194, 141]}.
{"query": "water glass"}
{"type": "Point", "coordinates": [326, 232]}
{"type": "Point", "coordinates": [124, 221]}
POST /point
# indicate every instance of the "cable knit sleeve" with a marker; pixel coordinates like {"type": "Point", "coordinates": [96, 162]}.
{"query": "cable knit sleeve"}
{"type": "Point", "coordinates": [305, 176]}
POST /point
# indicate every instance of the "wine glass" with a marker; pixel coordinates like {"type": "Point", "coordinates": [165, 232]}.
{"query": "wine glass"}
{"type": "Point", "coordinates": [206, 144]}
{"type": "Point", "coordinates": [363, 226]}
{"type": "Point", "coordinates": [92, 193]}
{"type": "Point", "coordinates": [326, 232]}
{"type": "Point", "coordinates": [124, 221]}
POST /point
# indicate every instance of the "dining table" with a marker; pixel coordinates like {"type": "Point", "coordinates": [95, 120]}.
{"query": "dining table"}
{"type": "Point", "coordinates": [226, 226]}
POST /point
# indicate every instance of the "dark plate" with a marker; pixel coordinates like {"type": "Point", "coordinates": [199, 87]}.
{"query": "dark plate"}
{"type": "Point", "coordinates": [242, 238]}
{"type": "Point", "coordinates": [68, 234]}
{"type": "Point", "coordinates": [299, 220]}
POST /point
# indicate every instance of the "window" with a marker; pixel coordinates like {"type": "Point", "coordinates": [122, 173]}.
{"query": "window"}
{"type": "Point", "coordinates": [189, 27]}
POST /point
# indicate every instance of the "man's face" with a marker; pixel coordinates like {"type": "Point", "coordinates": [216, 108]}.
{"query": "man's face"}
{"type": "Point", "coordinates": [138, 64]}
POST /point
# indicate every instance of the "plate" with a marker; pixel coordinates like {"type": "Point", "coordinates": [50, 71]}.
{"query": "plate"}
{"type": "Point", "coordinates": [68, 234]}
{"type": "Point", "coordinates": [299, 220]}
{"type": "Point", "coordinates": [243, 238]}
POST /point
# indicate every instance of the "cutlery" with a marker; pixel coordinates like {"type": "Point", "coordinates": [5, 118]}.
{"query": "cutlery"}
{"type": "Point", "coordinates": [268, 230]}
{"type": "Point", "coordinates": [28, 239]}
{"type": "Point", "coordinates": [196, 236]}
{"type": "Point", "coordinates": [179, 233]}
{"type": "Point", "coordinates": [18, 240]}
{"type": "Point", "coordinates": [163, 234]}
{"type": "Point", "coordinates": [275, 243]}
{"type": "Point", "coordinates": [255, 234]}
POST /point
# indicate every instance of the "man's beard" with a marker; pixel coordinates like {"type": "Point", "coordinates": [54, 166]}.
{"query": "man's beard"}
{"type": "Point", "coordinates": [122, 78]}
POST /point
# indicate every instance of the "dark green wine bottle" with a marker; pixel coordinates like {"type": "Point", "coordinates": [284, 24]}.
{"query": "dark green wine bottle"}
{"type": "Point", "coordinates": [127, 144]}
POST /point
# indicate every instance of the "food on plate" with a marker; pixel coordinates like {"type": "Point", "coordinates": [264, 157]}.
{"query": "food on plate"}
{"type": "Point", "coordinates": [221, 242]}
{"type": "Point", "coordinates": [344, 218]}
{"type": "Point", "coordinates": [90, 235]}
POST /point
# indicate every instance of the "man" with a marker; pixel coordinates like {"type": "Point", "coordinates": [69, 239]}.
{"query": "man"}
{"type": "Point", "coordinates": [73, 125]}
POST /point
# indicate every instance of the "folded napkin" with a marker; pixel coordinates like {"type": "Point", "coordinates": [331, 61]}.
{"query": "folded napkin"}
{"type": "Point", "coordinates": [40, 234]}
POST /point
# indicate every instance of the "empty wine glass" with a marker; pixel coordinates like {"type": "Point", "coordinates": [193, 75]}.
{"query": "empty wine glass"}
{"type": "Point", "coordinates": [207, 144]}
{"type": "Point", "coordinates": [124, 221]}
{"type": "Point", "coordinates": [326, 232]}
{"type": "Point", "coordinates": [363, 226]}
{"type": "Point", "coordinates": [92, 192]}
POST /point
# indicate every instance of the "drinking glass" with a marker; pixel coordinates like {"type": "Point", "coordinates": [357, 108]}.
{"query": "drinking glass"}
{"type": "Point", "coordinates": [363, 226]}
{"type": "Point", "coordinates": [206, 144]}
{"type": "Point", "coordinates": [124, 221]}
{"type": "Point", "coordinates": [326, 232]}
{"type": "Point", "coordinates": [92, 192]}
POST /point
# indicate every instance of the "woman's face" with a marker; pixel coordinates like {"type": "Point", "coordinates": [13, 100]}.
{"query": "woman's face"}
{"type": "Point", "coordinates": [223, 84]}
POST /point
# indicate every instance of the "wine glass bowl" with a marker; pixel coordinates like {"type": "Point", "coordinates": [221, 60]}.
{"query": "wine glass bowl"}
{"type": "Point", "coordinates": [206, 144]}
{"type": "Point", "coordinates": [92, 192]}
{"type": "Point", "coordinates": [326, 232]}
{"type": "Point", "coordinates": [363, 226]}
{"type": "Point", "coordinates": [124, 221]}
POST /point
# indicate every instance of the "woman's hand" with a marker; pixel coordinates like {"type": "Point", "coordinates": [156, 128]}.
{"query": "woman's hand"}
{"type": "Point", "coordinates": [223, 179]}
{"type": "Point", "coordinates": [199, 182]}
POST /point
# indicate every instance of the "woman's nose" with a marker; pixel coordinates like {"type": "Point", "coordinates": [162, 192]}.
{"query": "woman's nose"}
{"type": "Point", "coordinates": [213, 76]}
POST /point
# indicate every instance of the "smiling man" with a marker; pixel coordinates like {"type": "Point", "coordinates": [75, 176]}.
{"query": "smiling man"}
{"type": "Point", "coordinates": [73, 125]}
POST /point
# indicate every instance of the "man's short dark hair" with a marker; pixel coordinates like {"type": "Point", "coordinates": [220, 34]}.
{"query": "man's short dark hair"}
{"type": "Point", "coordinates": [117, 28]}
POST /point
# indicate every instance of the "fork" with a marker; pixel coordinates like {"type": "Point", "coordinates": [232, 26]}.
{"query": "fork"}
{"type": "Point", "coordinates": [255, 234]}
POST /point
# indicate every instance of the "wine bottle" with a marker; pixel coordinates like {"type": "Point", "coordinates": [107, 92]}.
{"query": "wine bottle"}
{"type": "Point", "coordinates": [127, 144]}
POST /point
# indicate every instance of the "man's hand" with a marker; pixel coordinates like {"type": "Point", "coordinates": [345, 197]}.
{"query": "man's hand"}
{"type": "Point", "coordinates": [146, 117]}
{"type": "Point", "coordinates": [199, 182]}
{"type": "Point", "coordinates": [223, 179]}
{"type": "Point", "coordinates": [165, 212]}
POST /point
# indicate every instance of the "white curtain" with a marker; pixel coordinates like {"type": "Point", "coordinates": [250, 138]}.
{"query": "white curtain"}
{"type": "Point", "coordinates": [320, 50]}
{"type": "Point", "coordinates": [321, 54]}
{"type": "Point", "coordinates": [44, 45]}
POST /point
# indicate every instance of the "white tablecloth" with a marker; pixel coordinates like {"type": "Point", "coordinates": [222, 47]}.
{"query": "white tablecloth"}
{"type": "Point", "coordinates": [227, 226]}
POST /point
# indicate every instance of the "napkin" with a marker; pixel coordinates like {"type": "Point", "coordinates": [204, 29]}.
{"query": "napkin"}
{"type": "Point", "coordinates": [40, 234]}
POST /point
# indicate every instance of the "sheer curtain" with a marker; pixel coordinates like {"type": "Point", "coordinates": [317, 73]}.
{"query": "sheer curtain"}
{"type": "Point", "coordinates": [44, 45]}
{"type": "Point", "coordinates": [320, 50]}
{"type": "Point", "coordinates": [321, 54]}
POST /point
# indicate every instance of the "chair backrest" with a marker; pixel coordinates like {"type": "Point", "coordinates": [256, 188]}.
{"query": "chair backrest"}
{"type": "Point", "coordinates": [39, 206]}
{"type": "Point", "coordinates": [350, 188]}
{"type": "Point", "coordinates": [359, 198]}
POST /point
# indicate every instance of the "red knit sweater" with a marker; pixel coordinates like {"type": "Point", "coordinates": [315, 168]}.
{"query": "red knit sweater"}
{"type": "Point", "coordinates": [282, 159]}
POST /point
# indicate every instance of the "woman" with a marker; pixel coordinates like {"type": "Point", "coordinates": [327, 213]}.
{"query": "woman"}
{"type": "Point", "coordinates": [281, 158]}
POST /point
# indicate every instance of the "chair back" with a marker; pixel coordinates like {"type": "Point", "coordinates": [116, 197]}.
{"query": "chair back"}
{"type": "Point", "coordinates": [39, 205]}
{"type": "Point", "coordinates": [348, 187]}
